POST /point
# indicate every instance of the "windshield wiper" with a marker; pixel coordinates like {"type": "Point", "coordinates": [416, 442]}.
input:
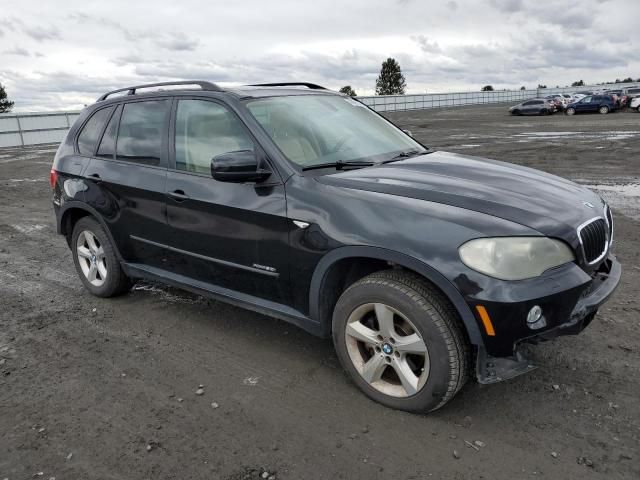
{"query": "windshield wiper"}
{"type": "Point", "coordinates": [403, 155]}
{"type": "Point", "coordinates": [339, 165]}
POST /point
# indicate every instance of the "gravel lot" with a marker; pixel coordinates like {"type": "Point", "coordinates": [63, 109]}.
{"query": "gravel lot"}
{"type": "Point", "coordinates": [106, 389]}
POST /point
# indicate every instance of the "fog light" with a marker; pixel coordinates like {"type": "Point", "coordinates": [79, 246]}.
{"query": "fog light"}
{"type": "Point", "coordinates": [535, 320]}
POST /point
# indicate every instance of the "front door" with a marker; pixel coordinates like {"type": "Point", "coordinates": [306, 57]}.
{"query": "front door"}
{"type": "Point", "coordinates": [229, 235]}
{"type": "Point", "coordinates": [584, 105]}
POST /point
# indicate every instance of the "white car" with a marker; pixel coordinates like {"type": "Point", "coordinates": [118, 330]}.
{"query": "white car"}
{"type": "Point", "coordinates": [635, 103]}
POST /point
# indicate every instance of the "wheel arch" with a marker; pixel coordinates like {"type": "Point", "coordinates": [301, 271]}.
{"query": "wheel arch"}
{"type": "Point", "coordinates": [71, 212]}
{"type": "Point", "coordinates": [321, 306]}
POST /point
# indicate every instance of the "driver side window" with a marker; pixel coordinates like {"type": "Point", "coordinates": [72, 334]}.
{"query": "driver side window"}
{"type": "Point", "coordinates": [203, 130]}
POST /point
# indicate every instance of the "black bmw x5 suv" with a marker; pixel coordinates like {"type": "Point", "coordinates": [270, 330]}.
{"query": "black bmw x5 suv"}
{"type": "Point", "coordinates": [425, 267]}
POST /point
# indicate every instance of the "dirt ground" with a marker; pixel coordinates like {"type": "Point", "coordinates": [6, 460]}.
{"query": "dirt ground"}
{"type": "Point", "coordinates": [105, 389]}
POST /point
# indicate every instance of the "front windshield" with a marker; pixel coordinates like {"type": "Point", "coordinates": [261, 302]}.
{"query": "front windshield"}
{"type": "Point", "coordinates": [318, 129]}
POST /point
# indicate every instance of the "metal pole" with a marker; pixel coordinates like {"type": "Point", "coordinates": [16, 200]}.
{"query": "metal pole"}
{"type": "Point", "coordinates": [20, 131]}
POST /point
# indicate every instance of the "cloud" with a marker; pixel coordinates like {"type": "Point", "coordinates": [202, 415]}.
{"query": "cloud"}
{"type": "Point", "coordinates": [426, 45]}
{"type": "Point", "coordinates": [177, 41]}
{"type": "Point", "coordinates": [510, 6]}
{"type": "Point", "coordinates": [454, 44]}
{"type": "Point", "coordinates": [40, 33]}
{"type": "Point", "coordinates": [17, 51]}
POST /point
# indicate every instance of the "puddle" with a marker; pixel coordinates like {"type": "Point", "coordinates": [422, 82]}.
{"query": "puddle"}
{"type": "Point", "coordinates": [624, 197]}
{"type": "Point", "coordinates": [28, 229]}
{"type": "Point", "coordinates": [607, 135]}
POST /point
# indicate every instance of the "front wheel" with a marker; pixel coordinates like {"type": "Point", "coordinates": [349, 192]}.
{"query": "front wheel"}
{"type": "Point", "coordinates": [603, 110]}
{"type": "Point", "coordinates": [570, 111]}
{"type": "Point", "coordinates": [401, 341]}
{"type": "Point", "coordinates": [95, 259]}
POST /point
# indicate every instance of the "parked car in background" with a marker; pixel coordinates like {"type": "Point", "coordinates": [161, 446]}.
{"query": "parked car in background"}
{"type": "Point", "coordinates": [631, 92]}
{"type": "Point", "coordinates": [618, 96]}
{"type": "Point", "coordinates": [592, 103]}
{"type": "Point", "coordinates": [535, 106]}
{"type": "Point", "coordinates": [568, 98]}
{"type": "Point", "coordinates": [558, 100]}
{"type": "Point", "coordinates": [635, 104]}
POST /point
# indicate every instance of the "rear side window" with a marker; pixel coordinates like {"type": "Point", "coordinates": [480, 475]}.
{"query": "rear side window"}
{"type": "Point", "coordinates": [107, 148]}
{"type": "Point", "coordinates": [141, 131]}
{"type": "Point", "coordinates": [91, 131]}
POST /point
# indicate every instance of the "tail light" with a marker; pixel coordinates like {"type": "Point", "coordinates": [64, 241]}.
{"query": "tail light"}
{"type": "Point", "coordinates": [53, 178]}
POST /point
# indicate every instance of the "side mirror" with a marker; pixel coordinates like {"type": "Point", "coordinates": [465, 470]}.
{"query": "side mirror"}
{"type": "Point", "coordinates": [240, 166]}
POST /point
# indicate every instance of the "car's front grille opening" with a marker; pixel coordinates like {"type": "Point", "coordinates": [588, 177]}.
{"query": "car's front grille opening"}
{"type": "Point", "coordinates": [594, 237]}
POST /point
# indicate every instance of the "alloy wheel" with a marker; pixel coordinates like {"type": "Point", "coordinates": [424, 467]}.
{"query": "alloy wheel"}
{"type": "Point", "coordinates": [91, 258]}
{"type": "Point", "coordinates": [387, 350]}
{"type": "Point", "coordinates": [604, 110]}
{"type": "Point", "coordinates": [570, 111]}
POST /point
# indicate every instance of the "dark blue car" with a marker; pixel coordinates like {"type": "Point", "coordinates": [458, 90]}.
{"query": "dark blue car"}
{"type": "Point", "coordinates": [592, 103]}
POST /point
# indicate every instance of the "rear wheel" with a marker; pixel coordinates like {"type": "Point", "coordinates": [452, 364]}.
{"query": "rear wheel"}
{"type": "Point", "coordinates": [96, 261]}
{"type": "Point", "coordinates": [401, 341]}
{"type": "Point", "coordinates": [544, 111]}
{"type": "Point", "coordinates": [570, 111]}
{"type": "Point", "coordinates": [603, 110]}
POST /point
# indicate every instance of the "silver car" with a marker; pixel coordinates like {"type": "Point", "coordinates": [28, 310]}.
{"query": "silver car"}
{"type": "Point", "coordinates": [535, 106]}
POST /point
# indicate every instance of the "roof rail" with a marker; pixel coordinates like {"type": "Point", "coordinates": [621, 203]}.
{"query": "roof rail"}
{"type": "Point", "coordinates": [312, 86]}
{"type": "Point", "coordinates": [132, 90]}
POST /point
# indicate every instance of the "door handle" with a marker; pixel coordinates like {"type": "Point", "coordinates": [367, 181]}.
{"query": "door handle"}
{"type": "Point", "coordinates": [178, 195]}
{"type": "Point", "coordinates": [95, 177]}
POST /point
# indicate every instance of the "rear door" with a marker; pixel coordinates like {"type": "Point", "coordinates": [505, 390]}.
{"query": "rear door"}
{"type": "Point", "coordinates": [231, 235]}
{"type": "Point", "coordinates": [127, 177]}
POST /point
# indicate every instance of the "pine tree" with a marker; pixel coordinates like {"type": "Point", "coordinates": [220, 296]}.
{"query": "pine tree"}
{"type": "Point", "coordinates": [390, 81]}
{"type": "Point", "coordinates": [5, 105]}
{"type": "Point", "coordinates": [347, 90]}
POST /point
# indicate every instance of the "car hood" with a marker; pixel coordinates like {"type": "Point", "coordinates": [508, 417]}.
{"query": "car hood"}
{"type": "Point", "coordinates": [547, 203]}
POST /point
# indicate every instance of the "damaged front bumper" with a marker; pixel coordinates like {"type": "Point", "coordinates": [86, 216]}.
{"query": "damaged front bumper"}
{"type": "Point", "coordinates": [492, 369]}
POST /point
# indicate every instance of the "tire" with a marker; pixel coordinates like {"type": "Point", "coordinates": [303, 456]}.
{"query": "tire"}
{"type": "Point", "coordinates": [516, 112]}
{"type": "Point", "coordinates": [96, 261]}
{"type": "Point", "coordinates": [570, 111]}
{"type": "Point", "coordinates": [420, 317]}
{"type": "Point", "coordinates": [603, 110]}
{"type": "Point", "coordinates": [543, 111]}
{"type": "Point", "coordinates": [638, 108]}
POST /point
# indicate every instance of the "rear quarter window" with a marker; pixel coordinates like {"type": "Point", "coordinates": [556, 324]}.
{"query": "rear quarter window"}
{"type": "Point", "coordinates": [91, 131]}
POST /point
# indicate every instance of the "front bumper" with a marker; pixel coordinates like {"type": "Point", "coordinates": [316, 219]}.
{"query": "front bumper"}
{"type": "Point", "coordinates": [566, 312]}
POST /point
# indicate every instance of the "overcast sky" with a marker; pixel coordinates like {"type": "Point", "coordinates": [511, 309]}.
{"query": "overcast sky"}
{"type": "Point", "coordinates": [59, 54]}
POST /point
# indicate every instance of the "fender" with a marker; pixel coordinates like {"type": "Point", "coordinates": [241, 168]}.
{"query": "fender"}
{"type": "Point", "coordinates": [403, 260]}
{"type": "Point", "coordinates": [78, 205]}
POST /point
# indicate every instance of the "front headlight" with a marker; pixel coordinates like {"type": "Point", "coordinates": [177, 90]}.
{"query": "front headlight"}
{"type": "Point", "coordinates": [514, 258]}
